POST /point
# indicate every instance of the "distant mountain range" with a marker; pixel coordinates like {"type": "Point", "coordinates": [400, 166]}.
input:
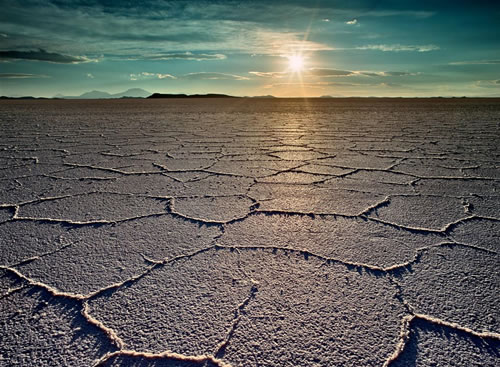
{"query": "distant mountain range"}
{"type": "Point", "coordinates": [95, 94]}
{"type": "Point", "coordinates": [141, 93]}
{"type": "Point", "coordinates": [134, 93]}
{"type": "Point", "coordinates": [209, 95]}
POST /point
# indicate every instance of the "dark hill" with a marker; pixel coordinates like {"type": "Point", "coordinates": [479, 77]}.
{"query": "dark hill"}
{"type": "Point", "coordinates": [210, 95]}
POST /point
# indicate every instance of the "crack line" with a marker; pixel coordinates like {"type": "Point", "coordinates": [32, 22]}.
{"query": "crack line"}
{"type": "Point", "coordinates": [199, 359]}
{"type": "Point", "coordinates": [220, 349]}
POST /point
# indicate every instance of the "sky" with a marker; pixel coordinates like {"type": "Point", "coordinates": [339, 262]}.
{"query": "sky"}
{"type": "Point", "coordinates": [283, 48]}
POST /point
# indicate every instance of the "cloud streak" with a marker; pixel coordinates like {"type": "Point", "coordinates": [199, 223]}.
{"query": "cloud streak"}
{"type": "Point", "coordinates": [21, 76]}
{"type": "Point", "coordinates": [331, 73]}
{"type": "Point", "coordinates": [186, 56]}
{"type": "Point", "coordinates": [189, 76]}
{"type": "Point", "coordinates": [399, 48]}
{"type": "Point", "coordinates": [333, 84]}
{"type": "Point", "coordinates": [477, 62]}
{"type": "Point", "coordinates": [269, 74]}
{"type": "Point", "coordinates": [213, 76]}
{"type": "Point", "coordinates": [146, 75]}
{"type": "Point", "coordinates": [488, 83]}
{"type": "Point", "coordinates": [42, 55]}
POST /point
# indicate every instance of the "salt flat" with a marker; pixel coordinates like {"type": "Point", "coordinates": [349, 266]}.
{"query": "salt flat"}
{"type": "Point", "coordinates": [248, 232]}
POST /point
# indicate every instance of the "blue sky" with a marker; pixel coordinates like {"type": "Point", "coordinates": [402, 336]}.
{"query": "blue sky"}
{"type": "Point", "coordinates": [347, 48]}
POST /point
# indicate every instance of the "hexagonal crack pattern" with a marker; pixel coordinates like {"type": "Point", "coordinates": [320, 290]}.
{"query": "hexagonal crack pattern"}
{"type": "Point", "coordinates": [274, 233]}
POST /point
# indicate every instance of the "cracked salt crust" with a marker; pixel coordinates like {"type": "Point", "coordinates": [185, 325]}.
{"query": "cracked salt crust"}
{"type": "Point", "coordinates": [312, 199]}
{"type": "Point", "coordinates": [156, 241]}
{"type": "Point", "coordinates": [472, 287]}
{"type": "Point", "coordinates": [421, 211]}
{"type": "Point", "coordinates": [92, 207]}
{"type": "Point", "coordinates": [444, 346]}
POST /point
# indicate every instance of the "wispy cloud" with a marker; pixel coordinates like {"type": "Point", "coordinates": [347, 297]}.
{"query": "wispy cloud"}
{"type": "Point", "coordinates": [269, 74]}
{"type": "Point", "coordinates": [386, 73]}
{"type": "Point", "coordinates": [336, 73]}
{"type": "Point", "coordinates": [159, 75]}
{"type": "Point", "coordinates": [476, 62]}
{"type": "Point", "coordinates": [333, 84]}
{"type": "Point", "coordinates": [399, 48]}
{"type": "Point", "coordinates": [186, 56]}
{"type": "Point", "coordinates": [213, 76]}
{"type": "Point", "coordinates": [398, 73]}
{"type": "Point", "coordinates": [42, 55]}
{"type": "Point", "coordinates": [146, 75]}
{"type": "Point", "coordinates": [90, 75]}
{"type": "Point", "coordinates": [189, 76]}
{"type": "Point", "coordinates": [21, 76]}
{"type": "Point", "coordinates": [422, 14]}
{"type": "Point", "coordinates": [488, 83]}
{"type": "Point", "coordinates": [165, 76]}
{"type": "Point", "coordinates": [331, 73]}
{"type": "Point", "coordinates": [352, 22]}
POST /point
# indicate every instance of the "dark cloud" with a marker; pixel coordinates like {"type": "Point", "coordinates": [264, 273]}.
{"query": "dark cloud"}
{"type": "Point", "coordinates": [171, 36]}
{"type": "Point", "coordinates": [21, 76]}
{"type": "Point", "coordinates": [261, 11]}
{"type": "Point", "coordinates": [42, 55]}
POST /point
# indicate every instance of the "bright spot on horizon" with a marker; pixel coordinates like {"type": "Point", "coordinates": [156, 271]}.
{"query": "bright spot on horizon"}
{"type": "Point", "coordinates": [296, 63]}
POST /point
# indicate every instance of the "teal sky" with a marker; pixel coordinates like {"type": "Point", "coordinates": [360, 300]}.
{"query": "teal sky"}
{"type": "Point", "coordinates": [348, 48]}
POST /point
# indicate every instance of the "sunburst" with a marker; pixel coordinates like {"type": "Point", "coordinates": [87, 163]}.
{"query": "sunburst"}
{"type": "Point", "coordinates": [296, 63]}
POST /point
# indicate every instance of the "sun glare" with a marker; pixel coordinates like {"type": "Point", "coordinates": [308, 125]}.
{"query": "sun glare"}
{"type": "Point", "coordinates": [296, 63]}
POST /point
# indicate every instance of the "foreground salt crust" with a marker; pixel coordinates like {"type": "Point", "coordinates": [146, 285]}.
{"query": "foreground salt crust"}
{"type": "Point", "coordinates": [261, 234]}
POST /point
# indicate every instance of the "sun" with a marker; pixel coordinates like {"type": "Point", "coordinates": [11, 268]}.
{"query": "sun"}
{"type": "Point", "coordinates": [296, 63]}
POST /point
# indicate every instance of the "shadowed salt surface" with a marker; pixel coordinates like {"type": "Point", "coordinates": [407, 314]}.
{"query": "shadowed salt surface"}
{"type": "Point", "coordinates": [489, 231]}
{"type": "Point", "coordinates": [5, 214]}
{"type": "Point", "coordinates": [352, 240]}
{"type": "Point", "coordinates": [309, 303]}
{"type": "Point", "coordinates": [219, 209]}
{"type": "Point", "coordinates": [443, 346]}
{"type": "Point", "coordinates": [312, 199]}
{"type": "Point", "coordinates": [92, 207]}
{"type": "Point", "coordinates": [422, 211]}
{"type": "Point", "coordinates": [462, 292]}
{"type": "Point", "coordinates": [45, 331]}
{"type": "Point", "coordinates": [113, 253]}
{"type": "Point", "coordinates": [241, 232]}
